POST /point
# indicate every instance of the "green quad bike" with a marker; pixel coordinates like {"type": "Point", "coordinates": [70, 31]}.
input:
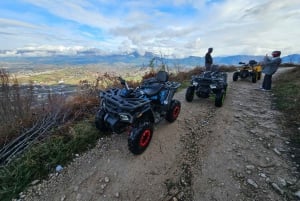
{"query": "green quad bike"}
{"type": "Point", "coordinates": [251, 70]}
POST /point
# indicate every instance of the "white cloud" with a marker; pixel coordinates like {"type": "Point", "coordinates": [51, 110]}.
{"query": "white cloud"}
{"type": "Point", "coordinates": [230, 26]}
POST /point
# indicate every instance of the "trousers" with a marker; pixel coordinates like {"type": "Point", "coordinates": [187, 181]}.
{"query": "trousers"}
{"type": "Point", "coordinates": [267, 83]}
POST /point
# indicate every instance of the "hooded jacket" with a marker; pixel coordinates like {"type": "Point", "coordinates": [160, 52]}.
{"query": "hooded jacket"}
{"type": "Point", "coordinates": [270, 65]}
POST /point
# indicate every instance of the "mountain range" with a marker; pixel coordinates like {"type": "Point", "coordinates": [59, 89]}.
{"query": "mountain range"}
{"type": "Point", "coordinates": [94, 56]}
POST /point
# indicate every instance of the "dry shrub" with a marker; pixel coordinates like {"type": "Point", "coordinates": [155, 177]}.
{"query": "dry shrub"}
{"type": "Point", "coordinates": [15, 106]}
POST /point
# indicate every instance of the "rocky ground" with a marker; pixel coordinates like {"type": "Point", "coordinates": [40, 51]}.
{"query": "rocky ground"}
{"type": "Point", "coordinates": [236, 152]}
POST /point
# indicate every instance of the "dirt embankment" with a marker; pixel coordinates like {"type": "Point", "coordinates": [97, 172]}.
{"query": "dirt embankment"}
{"type": "Point", "coordinates": [236, 152]}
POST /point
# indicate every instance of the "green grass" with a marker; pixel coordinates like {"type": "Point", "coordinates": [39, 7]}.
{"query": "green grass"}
{"type": "Point", "coordinates": [287, 99]}
{"type": "Point", "coordinates": [42, 158]}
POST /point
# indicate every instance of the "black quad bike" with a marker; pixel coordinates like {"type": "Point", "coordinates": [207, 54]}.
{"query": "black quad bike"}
{"type": "Point", "coordinates": [207, 83]}
{"type": "Point", "coordinates": [137, 110]}
{"type": "Point", "coordinates": [251, 70]}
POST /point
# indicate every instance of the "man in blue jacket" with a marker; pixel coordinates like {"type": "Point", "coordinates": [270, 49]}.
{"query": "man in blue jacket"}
{"type": "Point", "coordinates": [270, 66]}
{"type": "Point", "coordinates": [208, 59]}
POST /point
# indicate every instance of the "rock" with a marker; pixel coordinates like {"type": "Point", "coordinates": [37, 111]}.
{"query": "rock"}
{"type": "Point", "coordinates": [250, 167]}
{"type": "Point", "coordinates": [174, 199]}
{"type": "Point", "coordinates": [35, 182]}
{"type": "Point", "coordinates": [282, 182]}
{"type": "Point", "coordinates": [117, 194]}
{"type": "Point", "coordinates": [277, 151]}
{"type": "Point", "coordinates": [78, 197]}
{"type": "Point", "coordinates": [106, 179]}
{"type": "Point", "coordinates": [276, 187]}
{"type": "Point", "coordinates": [103, 186]}
{"type": "Point", "coordinates": [252, 183]}
{"type": "Point", "coordinates": [63, 198]}
{"type": "Point", "coordinates": [262, 175]}
{"type": "Point", "coordinates": [297, 194]}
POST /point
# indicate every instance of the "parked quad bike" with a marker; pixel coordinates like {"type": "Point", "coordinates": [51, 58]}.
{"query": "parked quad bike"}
{"type": "Point", "coordinates": [251, 70]}
{"type": "Point", "coordinates": [137, 110]}
{"type": "Point", "coordinates": [208, 83]}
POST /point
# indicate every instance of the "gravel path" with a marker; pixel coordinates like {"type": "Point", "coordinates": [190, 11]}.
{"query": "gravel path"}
{"type": "Point", "coordinates": [235, 152]}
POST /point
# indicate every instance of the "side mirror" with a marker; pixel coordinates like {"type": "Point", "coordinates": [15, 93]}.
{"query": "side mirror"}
{"type": "Point", "coordinates": [122, 81]}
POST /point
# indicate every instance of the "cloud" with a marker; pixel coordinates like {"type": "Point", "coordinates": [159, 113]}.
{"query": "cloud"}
{"type": "Point", "coordinates": [180, 27]}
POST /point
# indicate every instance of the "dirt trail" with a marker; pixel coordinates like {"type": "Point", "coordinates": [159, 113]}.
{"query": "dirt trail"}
{"type": "Point", "coordinates": [231, 153]}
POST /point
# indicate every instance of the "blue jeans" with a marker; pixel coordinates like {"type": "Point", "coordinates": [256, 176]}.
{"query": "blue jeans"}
{"type": "Point", "coordinates": [267, 83]}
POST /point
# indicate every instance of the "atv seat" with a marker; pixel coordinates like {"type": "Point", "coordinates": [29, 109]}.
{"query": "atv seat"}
{"type": "Point", "coordinates": [152, 89]}
{"type": "Point", "coordinates": [162, 76]}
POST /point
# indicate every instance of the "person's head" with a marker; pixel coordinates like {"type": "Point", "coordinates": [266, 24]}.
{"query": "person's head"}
{"type": "Point", "coordinates": [210, 50]}
{"type": "Point", "coordinates": [276, 53]}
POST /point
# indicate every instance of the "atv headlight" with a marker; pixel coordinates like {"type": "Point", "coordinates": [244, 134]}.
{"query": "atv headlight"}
{"type": "Point", "coordinates": [195, 83]}
{"type": "Point", "coordinates": [124, 117]}
{"type": "Point", "coordinates": [213, 86]}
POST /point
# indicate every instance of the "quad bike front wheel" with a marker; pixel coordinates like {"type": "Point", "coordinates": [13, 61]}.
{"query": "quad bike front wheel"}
{"type": "Point", "coordinates": [174, 111]}
{"type": "Point", "coordinates": [235, 76]}
{"type": "Point", "coordinates": [220, 97]}
{"type": "Point", "coordinates": [189, 94]}
{"type": "Point", "coordinates": [140, 137]}
{"type": "Point", "coordinates": [99, 121]}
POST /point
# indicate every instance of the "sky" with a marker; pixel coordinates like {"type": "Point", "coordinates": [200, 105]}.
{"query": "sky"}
{"type": "Point", "coordinates": [177, 28]}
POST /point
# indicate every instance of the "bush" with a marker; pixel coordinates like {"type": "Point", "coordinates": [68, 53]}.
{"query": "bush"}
{"type": "Point", "coordinates": [287, 99]}
{"type": "Point", "coordinates": [42, 158]}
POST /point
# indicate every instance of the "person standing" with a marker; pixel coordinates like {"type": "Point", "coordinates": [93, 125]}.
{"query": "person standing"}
{"type": "Point", "coordinates": [270, 66]}
{"type": "Point", "coordinates": [208, 59]}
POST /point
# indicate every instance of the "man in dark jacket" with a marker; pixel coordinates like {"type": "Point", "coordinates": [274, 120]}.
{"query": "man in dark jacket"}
{"type": "Point", "coordinates": [270, 66]}
{"type": "Point", "coordinates": [208, 59]}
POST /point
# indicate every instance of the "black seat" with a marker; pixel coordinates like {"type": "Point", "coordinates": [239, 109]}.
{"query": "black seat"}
{"type": "Point", "coordinates": [152, 89]}
{"type": "Point", "coordinates": [162, 76]}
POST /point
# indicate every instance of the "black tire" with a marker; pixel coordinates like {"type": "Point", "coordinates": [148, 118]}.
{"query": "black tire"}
{"type": "Point", "coordinates": [140, 137]}
{"type": "Point", "coordinates": [189, 94]}
{"type": "Point", "coordinates": [235, 76]}
{"type": "Point", "coordinates": [254, 78]}
{"type": "Point", "coordinates": [258, 75]}
{"type": "Point", "coordinates": [174, 111]}
{"type": "Point", "coordinates": [99, 121]}
{"type": "Point", "coordinates": [220, 96]}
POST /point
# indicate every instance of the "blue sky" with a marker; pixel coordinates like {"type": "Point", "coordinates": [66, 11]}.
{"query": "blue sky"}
{"type": "Point", "coordinates": [179, 28]}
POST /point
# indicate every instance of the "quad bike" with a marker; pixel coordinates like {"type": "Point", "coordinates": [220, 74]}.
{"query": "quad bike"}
{"type": "Point", "coordinates": [137, 110]}
{"type": "Point", "coordinates": [208, 83]}
{"type": "Point", "coordinates": [252, 69]}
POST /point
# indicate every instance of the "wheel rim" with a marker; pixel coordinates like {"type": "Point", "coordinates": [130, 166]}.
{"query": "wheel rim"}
{"type": "Point", "coordinates": [145, 138]}
{"type": "Point", "coordinates": [176, 111]}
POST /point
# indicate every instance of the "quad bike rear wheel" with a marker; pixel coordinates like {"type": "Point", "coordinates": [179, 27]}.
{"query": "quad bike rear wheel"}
{"type": "Point", "coordinates": [235, 76]}
{"type": "Point", "coordinates": [219, 99]}
{"type": "Point", "coordinates": [174, 111]}
{"type": "Point", "coordinates": [140, 137]}
{"type": "Point", "coordinates": [258, 75]}
{"type": "Point", "coordinates": [189, 94]}
{"type": "Point", "coordinates": [99, 121]}
{"type": "Point", "coordinates": [254, 77]}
